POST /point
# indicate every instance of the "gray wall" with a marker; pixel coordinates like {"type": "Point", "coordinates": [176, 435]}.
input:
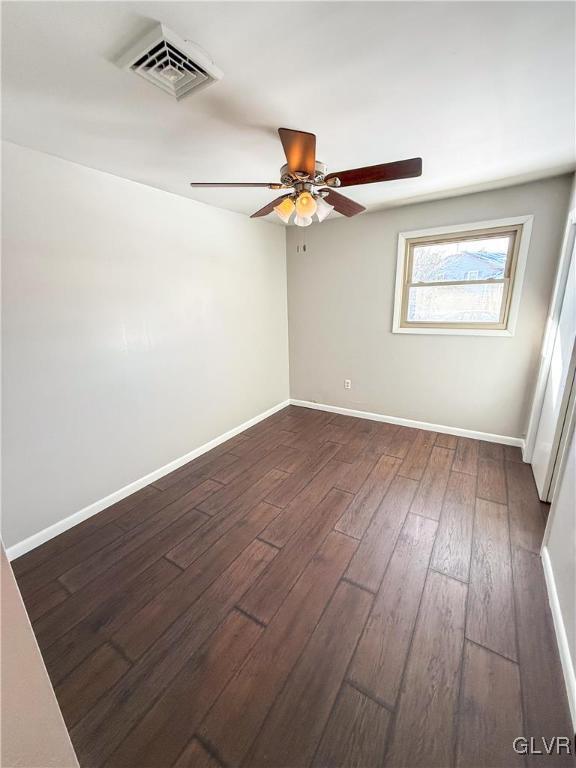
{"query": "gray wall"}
{"type": "Point", "coordinates": [340, 305]}
{"type": "Point", "coordinates": [137, 325]}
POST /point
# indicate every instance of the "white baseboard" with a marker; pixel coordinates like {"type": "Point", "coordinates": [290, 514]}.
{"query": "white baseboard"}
{"type": "Point", "coordinates": [561, 637]}
{"type": "Point", "coordinates": [487, 436]}
{"type": "Point", "coordinates": [92, 509]}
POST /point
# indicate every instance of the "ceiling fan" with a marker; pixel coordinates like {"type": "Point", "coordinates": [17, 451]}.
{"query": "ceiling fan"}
{"type": "Point", "coordinates": [311, 188]}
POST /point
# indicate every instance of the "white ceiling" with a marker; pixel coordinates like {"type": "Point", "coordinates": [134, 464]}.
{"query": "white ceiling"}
{"type": "Point", "coordinates": [483, 92]}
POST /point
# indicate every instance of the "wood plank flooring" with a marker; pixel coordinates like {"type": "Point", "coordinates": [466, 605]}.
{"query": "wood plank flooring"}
{"type": "Point", "coordinates": [318, 591]}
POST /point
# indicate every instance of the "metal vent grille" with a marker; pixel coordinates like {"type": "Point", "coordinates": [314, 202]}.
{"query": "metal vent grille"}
{"type": "Point", "coordinates": [169, 69]}
{"type": "Point", "coordinates": [176, 66]}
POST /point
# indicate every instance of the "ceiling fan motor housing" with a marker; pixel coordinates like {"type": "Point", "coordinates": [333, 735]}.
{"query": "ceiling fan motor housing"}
{"type": "Point", "coordinates": [290, 178]}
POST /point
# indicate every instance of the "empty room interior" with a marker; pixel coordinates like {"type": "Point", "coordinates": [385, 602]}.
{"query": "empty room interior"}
{"type": "Point", "coordinates": [288, 384]}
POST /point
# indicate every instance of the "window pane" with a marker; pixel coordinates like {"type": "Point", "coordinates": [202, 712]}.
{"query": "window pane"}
{"type": "Point", "coordinates": [455, 303]}
{"type": "Point", "coordinates": [463, 260]}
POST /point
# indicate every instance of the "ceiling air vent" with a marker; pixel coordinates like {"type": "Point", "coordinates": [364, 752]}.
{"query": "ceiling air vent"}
{"type": "Point", "coordinates": [175, 65]}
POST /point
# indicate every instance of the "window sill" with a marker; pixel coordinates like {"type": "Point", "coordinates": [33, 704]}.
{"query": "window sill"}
{"type": "Point", "coordinates": [454, 331]}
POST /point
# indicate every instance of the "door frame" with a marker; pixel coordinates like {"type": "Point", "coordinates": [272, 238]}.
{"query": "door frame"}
{"type": "Point", "coordinates": [568, 431]}
{"type": "Point", "coordinates": [568, 242]}
{"type": "Point", "coordinates": [565, 432]}
{"type": "Point", "coordinates": [563, 426]}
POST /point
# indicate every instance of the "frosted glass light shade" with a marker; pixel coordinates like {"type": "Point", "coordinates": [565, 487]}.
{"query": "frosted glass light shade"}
{"type": "Point", "coordinates": [323, 209]}
{"type": "Point", "coordinates": [285, 209]}
{"type": "Point", "coordinates": [305, 205]}
{"type": "Point", "coordinates": [303, 221]}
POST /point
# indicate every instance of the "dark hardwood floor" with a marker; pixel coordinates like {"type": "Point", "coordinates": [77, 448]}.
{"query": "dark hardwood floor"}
{"type": "Point", "coordinates": [320, 590]}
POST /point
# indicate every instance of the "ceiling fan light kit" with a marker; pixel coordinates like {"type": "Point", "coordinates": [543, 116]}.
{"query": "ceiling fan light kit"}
{"type": "Point", "coordinates": [299, 206]}
{"type": "Point", "coordinates": [312, 190]}
{"type": "Point", "coordinates": [285, 209]}
{"type": "Point", "coordinates": [323, 209]}
{"type": "Point", "coordinates": [305, 205]}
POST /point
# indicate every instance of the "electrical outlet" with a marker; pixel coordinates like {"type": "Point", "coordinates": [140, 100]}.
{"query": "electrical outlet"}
{"type": "Point", "coordinates": [347, 384]}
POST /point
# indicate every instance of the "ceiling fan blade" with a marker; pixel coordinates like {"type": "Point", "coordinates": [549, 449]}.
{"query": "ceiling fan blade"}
{"type": "Point", "coordinates": [300, 150]}
{"type": "Point", "coordinates": [267, 184]}
{"type": "Point", "coordinates": [400, 169]}
{"type": "Point", "coordinates": [342, 204]}
{"type": "Point", "coordinates": [269, 207]}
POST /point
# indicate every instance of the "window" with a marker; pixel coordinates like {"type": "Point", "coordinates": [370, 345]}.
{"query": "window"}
{"type": "Point", "coordinates": [465, 279]}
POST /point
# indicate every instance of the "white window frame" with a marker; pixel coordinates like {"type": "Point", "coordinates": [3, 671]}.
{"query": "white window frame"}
{"type": "Point", "coordinates": [404, 239]}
